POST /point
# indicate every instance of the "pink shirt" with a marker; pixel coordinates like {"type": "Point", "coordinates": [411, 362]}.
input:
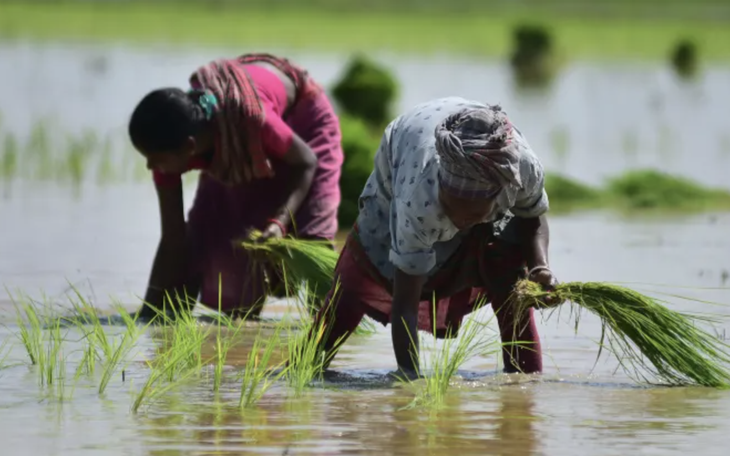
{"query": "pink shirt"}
{"type": "Point", "coordinates": [276, 135]}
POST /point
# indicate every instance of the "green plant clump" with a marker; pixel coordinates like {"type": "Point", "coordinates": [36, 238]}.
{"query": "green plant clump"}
{"type": "Point", "coordinates": [685, 59]}
{"type": "Point", "coordinates": [645, 335]}
{"type": "Point", "coordinates": [367, 91]}
{"type": "Point", "coordinates": [533, 56]}
{"type": "Point", "coordinates": [650, 189]}
{"type": "Point", "coordinates": [568, 194]}
{"type": "Point", "coordinates": [359, 146]}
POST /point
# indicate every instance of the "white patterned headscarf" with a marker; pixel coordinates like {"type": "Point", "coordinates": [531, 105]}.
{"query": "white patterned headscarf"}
{"type": "Point", "coordinates": [478, 155]}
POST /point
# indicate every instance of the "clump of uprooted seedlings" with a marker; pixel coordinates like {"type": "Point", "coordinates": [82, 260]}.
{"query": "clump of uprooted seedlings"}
{"type": "Point", "coordinates": [649, 339]}
{"type": "Point", "coordinates": [474, 338]}
{"type": "Point", "coordinates": [308, 262]}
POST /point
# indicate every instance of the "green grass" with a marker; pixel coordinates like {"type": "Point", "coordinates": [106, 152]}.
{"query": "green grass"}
{"type": "Point", "coordinates": [566, 194]}
{"type": "Point", "coordinates": [486, 32]}
{"type": "Point", "coordinates": [654, 190]}
{"type": "Point", "coordinates": [635, 192]}
{"type": "Point", "coordinates": [651, 341]}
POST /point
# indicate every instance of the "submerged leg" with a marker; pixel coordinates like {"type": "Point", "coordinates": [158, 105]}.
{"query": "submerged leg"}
{"type": "Point", "coordinates": [338, 318]}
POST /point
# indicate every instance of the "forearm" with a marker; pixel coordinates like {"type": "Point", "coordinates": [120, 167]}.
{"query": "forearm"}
{"type": "Point", "coordinates": [298, 189]}
{"type": "Point", "coordinates": [534, 234]}
{"type": "Point", "coordinates": [169, 268]}
{"type": "Point", "coordinates": [168, 274]}
{"type": "Point", "coordinates": [404, 320]}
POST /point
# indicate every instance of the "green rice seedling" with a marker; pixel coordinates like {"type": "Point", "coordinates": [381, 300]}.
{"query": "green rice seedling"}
{"type": "Point", "coordinates": [258, 377]}
{"type": "Point", "coordinates": [474, 339]}
{"type": "Point", "coordinates": [30, 329]}
{"type": "Point", "coordinates": [88, 360]}
{"type": "Point", "coordinates": [180, 357]}
{"type": "Point", "coordinates": [650, 340]}
{"type": "Point", "coordinates": [307, 360]}
{"type": "Point", "coordinates": [160, 371]}
{"type": "Point", "coordinates": [224, 345]}
{"type": "Point", "coordinates": [310, 261]}
{"type": "Point", "coordinates": [188, 339]}
{"type": "Point", "coordinates": [53, 350]}
{"type": "Point", "coordinates": [77, 156]}
{"type": "Point", "coordinates": [117, 350]}
{"type": "Point", "coordinates": [105, 172]}
{"type": "Point", "coordinates": [9, 157]}
{"type": "Point", "coordinates": [4, 353]}
{"type": "Point", "coordinates": [54, 373]}
{"type": "Point", "coordinates": [39, 150]}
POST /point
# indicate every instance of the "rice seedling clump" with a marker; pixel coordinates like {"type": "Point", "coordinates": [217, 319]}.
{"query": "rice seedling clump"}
{"type": "Point", "coordinates": [644, 334]}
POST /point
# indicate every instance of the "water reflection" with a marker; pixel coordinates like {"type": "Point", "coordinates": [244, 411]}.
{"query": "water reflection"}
{"type": "Point", "coordinates": [495, 422]}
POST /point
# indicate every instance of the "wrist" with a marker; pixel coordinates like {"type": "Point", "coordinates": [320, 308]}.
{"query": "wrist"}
{"type": "Point", "coordinates": [280, 224]}
{"type": "Point", "coordinates": [538, 268]}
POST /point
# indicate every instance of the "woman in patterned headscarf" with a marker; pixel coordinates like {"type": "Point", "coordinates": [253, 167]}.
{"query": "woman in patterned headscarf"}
{"type": "Point", "coordinates": [454, 210]}
{"type": "Point", "coordinates": [267, 141]}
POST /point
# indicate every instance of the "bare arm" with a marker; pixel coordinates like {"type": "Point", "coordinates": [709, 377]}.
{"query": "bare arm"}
{"type": "Point", "coordinates": [169, 268]}
{"type": "Point", "coordinates": [404, 318]}
{"type": "Point", "coordinates": [534, 234]}
{"type": "Point", "coordinates": [302, 160]}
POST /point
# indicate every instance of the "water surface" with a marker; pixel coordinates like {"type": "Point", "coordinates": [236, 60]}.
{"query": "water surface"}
{"type": "Point", "coordinates": [101, 239]}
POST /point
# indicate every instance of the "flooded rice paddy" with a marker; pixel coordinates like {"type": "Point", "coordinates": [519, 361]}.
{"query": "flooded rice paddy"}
{"type": "Point", "coordinates": [101, 239]}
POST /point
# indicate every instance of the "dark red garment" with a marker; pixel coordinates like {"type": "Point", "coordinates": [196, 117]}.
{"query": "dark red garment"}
{"type": "Point", "coordinates": [222, 213]}
{"type": "Point", "coordinates": [483, 266]}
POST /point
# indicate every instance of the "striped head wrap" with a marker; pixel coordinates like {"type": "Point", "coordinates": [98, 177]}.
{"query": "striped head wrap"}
{"type": "Point", "coordinates": [239, 153]}
{"type": "Point", "coordinates": [478, 156]}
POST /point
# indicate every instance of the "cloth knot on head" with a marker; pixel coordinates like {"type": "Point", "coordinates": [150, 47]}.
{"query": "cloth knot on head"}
{"type": "Point", "coordinates": [478, 155]}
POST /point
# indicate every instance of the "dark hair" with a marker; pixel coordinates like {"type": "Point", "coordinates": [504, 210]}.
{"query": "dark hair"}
{"type": "Point", "coordinates": [164, 119]}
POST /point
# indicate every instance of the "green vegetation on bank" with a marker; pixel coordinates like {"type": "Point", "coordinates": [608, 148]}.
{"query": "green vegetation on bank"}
{"type": "Point", "coordinates": [484, 31]}
{"type": "Point", "coordinates": [641, 190]}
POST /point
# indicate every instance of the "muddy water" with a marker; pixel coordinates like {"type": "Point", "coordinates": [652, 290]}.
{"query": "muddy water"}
{"type": "Point", "coordinates": [103, 243]}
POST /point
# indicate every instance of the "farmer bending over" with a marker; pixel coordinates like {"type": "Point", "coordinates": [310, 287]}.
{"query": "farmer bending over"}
{"type": "Point", "coordinates": [268, 143]}
{"type": "Point", "coordinates": [453, 209]}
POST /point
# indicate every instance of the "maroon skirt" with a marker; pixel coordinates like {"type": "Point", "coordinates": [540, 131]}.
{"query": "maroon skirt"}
{"type": "Point", "coordinates": [483, 268]}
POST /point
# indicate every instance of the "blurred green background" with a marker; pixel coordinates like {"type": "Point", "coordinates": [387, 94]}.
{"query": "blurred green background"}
{"type": "Point", "coordinates": [538, 46]}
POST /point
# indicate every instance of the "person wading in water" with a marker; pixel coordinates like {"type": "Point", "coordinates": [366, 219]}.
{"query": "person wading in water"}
{"type": "Point", "coordinates": [454, 210]}
{"type": "Point", "coordinates": [268, 143]}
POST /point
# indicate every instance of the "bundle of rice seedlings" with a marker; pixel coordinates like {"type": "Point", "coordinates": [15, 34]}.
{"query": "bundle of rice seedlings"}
{"type": "Point", "coordinates": [646, 336]}
{"type": "Point", "coordinates": [311, 262]}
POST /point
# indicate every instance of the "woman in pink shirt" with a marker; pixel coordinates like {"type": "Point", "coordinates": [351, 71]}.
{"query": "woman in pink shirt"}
{"type": "Point", "coordinates": [268, 144]}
